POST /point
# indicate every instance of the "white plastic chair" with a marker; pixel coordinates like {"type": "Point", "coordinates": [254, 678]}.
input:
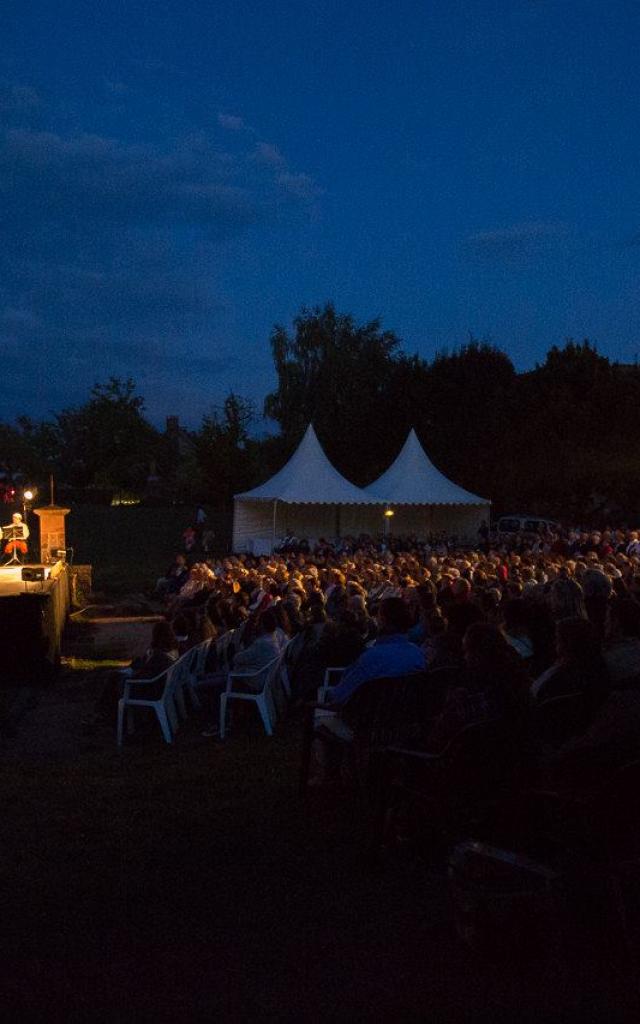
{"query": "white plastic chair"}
{"type": "Point", "coordinates": [183, 681]}
{"type": "Point", "coordinates": [196, 671]}
{"type": "Point", "coordinates": [329, 673]}
{"type": "Point", "coordinates": [261, 698]}
{"type": "Point", "coordinates": [164, 706]}
{"type": "Point", "coordinates": [222, 647]}
{"type": "Point", "coordinates": [284, 669]}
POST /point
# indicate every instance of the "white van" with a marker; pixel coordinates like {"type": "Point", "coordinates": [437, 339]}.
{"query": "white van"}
{"type": "Point", "coordinates": [526, 524]}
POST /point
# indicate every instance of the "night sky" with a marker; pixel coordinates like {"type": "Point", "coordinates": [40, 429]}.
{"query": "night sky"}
{"type": "Point", "coordinates": [176, 177]}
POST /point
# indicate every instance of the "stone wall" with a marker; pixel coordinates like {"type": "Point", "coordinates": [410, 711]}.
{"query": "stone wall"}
{"type": "Point", "coordinates": [81, 584]}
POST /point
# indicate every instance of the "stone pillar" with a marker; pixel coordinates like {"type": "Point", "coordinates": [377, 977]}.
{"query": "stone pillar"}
{"type": "Point", "coordinates": [52, 531]}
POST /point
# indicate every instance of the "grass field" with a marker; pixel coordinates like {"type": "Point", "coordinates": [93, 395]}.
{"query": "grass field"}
{"type": "Point", "coordinates": [192, 883]}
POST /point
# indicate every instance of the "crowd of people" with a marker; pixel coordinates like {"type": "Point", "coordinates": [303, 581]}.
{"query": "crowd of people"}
{"type": "Point", "coordinates": [522, 619]}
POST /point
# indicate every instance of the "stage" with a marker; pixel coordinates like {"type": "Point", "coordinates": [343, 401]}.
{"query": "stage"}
{"type": "Point", "coordinates": [11, 579]}
{"type": "Point", "coordinates": [32, 618]}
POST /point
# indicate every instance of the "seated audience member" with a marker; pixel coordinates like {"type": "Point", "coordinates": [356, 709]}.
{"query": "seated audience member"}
{"type": "Point", "coordinates": [391, 655]}
{"type": "Point", "coordinates": [566, 599]}
{"type": "Point", "coordinates": [490, 602]}
{"type": "Point", "coordinates": [161, 654]}
{"type": "Point", "coordinates": [302, 656]}
{"type": "Point", "coordinates": [579, 666]}
{"type": "Point", "coordinates": [496, 686]}
{"type": "Point", "coordinates": [174, 578]}
{"type": "Point", "coordinates": [516, 627]}
{"type": "Point", "coordinates": [341, 642]}
{"type": "Point", "coordinates": [366, 625]}
{"type": "Point", "coordinates": [597, 594]}
{"type": "Point", "coordinates": [266, 646]}
{"type": "Point", "coordinates": [292, 606]}
{"type": "Point", "coordinates": [541, 628]}
{"type": "Point", "coordinates": [609, 740]}
{"type": "Point", "coordinates": [195, 591]}
{"type": "Point", "coordinates": [622, 649]}
{"type": "Point", "coordinates": [427, 604]}
{"type": "Point", "coordinates": [211, 625]}
{"type": "Point", "coordinates": [442, 649]}
{"type": "Point", "coordinates": [336, 594]}
{"type": "Point", "coordinates": [186, 630]}
{"type": "Point", "coordinates": [462, 612]}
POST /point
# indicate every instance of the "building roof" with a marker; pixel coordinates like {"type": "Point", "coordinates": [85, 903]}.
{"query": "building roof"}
{"type": "Point", "coordinates": [413, 480]}
{"type": "Point", "coordinates": [309, 478]}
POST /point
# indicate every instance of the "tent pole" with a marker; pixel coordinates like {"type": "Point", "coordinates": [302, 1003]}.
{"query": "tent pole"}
{"type": "Point", "coordinates": [273, 540]}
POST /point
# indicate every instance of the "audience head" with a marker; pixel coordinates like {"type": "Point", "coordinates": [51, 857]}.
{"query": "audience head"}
{"type": "Point", "coordinates": [393, 615]}
{"type": "Point", "coordinates": [163, 637]}
{"type": "Point", "coordinates": [577, 641]}
{"type": "Point", "coordinates": [566, 600]}
{"type": "Point", "coordinates": [268, 621]}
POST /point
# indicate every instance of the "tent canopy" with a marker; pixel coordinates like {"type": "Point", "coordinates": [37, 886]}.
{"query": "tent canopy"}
{"type": "Point", "coordinates": [309, 478]}
{"type": "Point", "coordinates": [413, 480]}
{"type": "Point", "coordinates": [309, 498]}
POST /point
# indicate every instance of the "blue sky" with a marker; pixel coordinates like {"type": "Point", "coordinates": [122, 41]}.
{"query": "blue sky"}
{"type": "Point", "coordinates": [176, 177]}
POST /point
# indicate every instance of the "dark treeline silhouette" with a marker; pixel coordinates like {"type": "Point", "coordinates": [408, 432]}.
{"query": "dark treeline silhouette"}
{"type": "Point", "coordinates": [559, 439]}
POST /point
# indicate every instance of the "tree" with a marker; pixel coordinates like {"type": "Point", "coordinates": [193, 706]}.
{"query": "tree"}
{"type": "Point", "coordinates": [107, 442]}
{"type": "Point", "coordinates": [463, 414]}
{"type": "Point", "coordinates": [28, 448]}
{"type": "Point", "coordinates": [338, 375]}
{"type": "Point", "coordinates": [223, 450]}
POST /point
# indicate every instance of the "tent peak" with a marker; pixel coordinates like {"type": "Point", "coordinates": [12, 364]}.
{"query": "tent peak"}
{"type": "Point", "coordinates": [412, 479]}
{"type": "Point", "coordinates": [309, 478]}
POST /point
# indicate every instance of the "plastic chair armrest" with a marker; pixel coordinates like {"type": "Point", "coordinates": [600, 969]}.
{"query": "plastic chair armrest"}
{"type": "Point", "coordinates": [418, 755]}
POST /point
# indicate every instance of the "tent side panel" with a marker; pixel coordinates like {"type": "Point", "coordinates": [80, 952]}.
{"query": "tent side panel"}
{"type": "Point", "coordinates": [252, 525]}
{"type": "Point", "coordinates": [306, 521]}
{"type": "Point", "coordinates": [461, 521]}
{"type": "Point", "coordinates": [357, 519]}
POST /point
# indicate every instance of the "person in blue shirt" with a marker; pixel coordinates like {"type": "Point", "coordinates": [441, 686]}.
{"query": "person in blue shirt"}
{"type": "Point", "coordinates": [392, 655]}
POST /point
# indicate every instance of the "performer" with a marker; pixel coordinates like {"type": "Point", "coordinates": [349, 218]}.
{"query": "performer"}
{"type": "Point", "coordinates": [18, 534]}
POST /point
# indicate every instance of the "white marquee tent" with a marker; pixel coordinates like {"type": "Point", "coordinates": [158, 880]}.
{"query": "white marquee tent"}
{"type": "Point", "coordinates": [307, 498]}
{"type": "Point", "coordinates": [424, 500]}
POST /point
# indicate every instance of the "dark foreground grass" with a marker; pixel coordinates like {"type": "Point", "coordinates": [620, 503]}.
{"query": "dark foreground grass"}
{"type": "Point", "coordinates": [191, 883]}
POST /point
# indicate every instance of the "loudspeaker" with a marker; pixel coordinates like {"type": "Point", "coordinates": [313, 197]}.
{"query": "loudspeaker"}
{"type": "Point", "coordinates": [33, 575]}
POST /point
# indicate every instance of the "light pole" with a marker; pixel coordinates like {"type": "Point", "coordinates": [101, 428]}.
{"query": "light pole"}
{"type": "Point", "coordinates": [388, 513]}
{"type": "Point", "coordinates": [27, 498]}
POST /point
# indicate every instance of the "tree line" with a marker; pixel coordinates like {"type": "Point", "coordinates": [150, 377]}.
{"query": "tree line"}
{"type": "Point", "coordinates": [559, 439]}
